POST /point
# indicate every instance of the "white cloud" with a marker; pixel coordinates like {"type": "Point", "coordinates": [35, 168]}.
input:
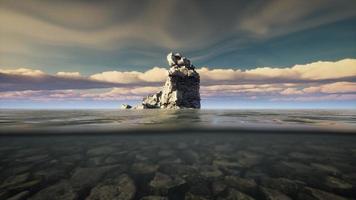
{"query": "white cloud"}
{"type": "Point", "coordinates": [153, 75]}
{"type": "Point", "coordinates": [320, 70]}
{"type": "Point", "coordinates": [338, 87]}
{"type": "Point", "coordinates": [69, 74]}
{"type": "Point", "coordinates": [23, 72]}
{"type": "Point", "coordinates": [329, 97]}
{"type": "Point", "coordinates": [291, 91]}
{"type": "Point", "coordinates": [303, 82]}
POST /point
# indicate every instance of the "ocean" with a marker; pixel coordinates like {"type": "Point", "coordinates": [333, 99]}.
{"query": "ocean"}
{"type": "Point", "coordinates": [177, 154]}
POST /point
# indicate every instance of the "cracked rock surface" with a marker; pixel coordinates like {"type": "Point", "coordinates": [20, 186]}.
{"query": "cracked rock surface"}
{"type": "Point", "coordinates": [181, 89]}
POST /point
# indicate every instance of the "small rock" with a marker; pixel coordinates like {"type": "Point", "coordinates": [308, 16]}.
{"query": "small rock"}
{"type": "Point", "coordinates": [126, 106]}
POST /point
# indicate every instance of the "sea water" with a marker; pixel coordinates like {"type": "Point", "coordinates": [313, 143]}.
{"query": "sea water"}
{"type": "Point", "coordinates": [184, 154]}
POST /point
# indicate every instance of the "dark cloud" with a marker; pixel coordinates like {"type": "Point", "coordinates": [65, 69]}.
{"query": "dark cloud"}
{"type": "Point", "coordinates": [93, 35]}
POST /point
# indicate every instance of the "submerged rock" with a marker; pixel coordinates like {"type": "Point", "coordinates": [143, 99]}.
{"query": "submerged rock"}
{"type": "Point", "coordinates": [163, 184]}
{"type": "Point", "coordinates": [312, 193]}
{"type": "Point", "coordinates": [122, 188]}
{"type": "Point", "coordinates": [234, 194]}
{"type": "Point", "coordinates": [60, 191]}
{"type": "Point", "coordinates": [270, 194]}
{"type": "Point", "coordinates": [181, 89]}
{"type": "Point", "coordinates": [154, 198]}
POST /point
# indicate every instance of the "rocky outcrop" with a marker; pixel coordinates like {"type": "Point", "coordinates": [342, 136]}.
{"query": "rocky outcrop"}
{"type": "Point", "coordinates": [181, 89]}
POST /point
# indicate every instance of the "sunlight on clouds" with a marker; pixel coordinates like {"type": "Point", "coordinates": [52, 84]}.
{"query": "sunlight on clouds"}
{"type": "Point", "coordinates": [314, 71]}
{"type": "Point", "coordinates": [69, 74]}
{"type": "Point", "coordinates": [23, 72]}
{"type": "Point", "coordinates": [338, 87]}
{"type": "Point", "coordinates": [291, 91]}
{"type": "Point", "coordinates": [309, 82]}
{"type": "Point", "coordinates": [153, 75]}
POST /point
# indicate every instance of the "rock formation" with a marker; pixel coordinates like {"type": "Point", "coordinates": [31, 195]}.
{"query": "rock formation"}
{"type": "Point", "coordinates": [181, 89]}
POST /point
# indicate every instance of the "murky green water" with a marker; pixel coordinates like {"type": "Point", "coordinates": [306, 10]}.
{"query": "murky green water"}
{"type": "Point", "coordinates": [311, 163]}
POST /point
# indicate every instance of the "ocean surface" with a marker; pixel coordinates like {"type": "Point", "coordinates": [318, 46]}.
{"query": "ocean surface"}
{"type": "Point", "coordinates": [183, 154]}
{"type": "Point", "coordinates": [122, 120]}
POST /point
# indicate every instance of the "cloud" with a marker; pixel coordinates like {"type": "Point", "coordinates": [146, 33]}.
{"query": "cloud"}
{"type": "Point", "coordinates": [309, 82]}
{"type": "Point", "coordinates": [28, 79]}
{"type": "Point", "coordinates": [32, 31]}
{"type": "Point", "coordinates": [338, 87]}
{"type": "Point", "coordinates": [322, 72]}
{"type": "Point", "coordinates": [117, 93]}
{"type": "Point", "coordinates": [317, 71]}
{"type": "Point", "coordinates": [330, 97]}
{"type": "Point", "coordinates": [69, 74]}
{"type": "Point", "coordinates": [291, 91]}
{"type": "Point", "coordinates": [272, 20]}
{"type": "Point", "coordinates": [23, 72]}
{"type": "Point", "coordinates": [153, 75]}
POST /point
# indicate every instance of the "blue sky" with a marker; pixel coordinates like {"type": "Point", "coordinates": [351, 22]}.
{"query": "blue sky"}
{"type": "Point", "coordinates": [88, 52]}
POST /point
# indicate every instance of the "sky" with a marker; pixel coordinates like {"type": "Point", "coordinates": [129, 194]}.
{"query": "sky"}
{"type": "Point", "coordinates": [249, 53]}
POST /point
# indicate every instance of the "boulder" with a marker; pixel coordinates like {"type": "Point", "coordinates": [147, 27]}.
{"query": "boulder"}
{"type": "Point", "coordinates": [181, 89]}
{"type": "Point", "coordinates": [122, 187]}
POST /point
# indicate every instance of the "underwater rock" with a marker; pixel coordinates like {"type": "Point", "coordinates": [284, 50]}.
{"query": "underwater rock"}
{"type": "Point", "coordinates": [162, 184]}
{"type": "Point", "coordinates": [81, 180]}
{"type": "Point", "coordinates": [218, 187]}
{"type": "Point", "coordinates": [312, 193]}
{"type": "Point", "coordinates": [154, 198]}
{"type": "Point", "coordinates": [143, 168]}
{"type": "Point", "coordinates": [270, 194]}
{"type": "Point", "coordinates": [242, 184]}
{"type": "Point", "coordinates": [287, 186]}
{"type": "Point", "coordinates": [60, 191]}
{"type": "Point", "coordinates": [181, 89]}
{"type": "Point", "coordinates": [122, 188]}
{"type": "Point", "coordinates": [15, 180]}
{"type": "Point", "coordinates": [234, 194]}
{"type": "Point", "coordinates": [20, 196]}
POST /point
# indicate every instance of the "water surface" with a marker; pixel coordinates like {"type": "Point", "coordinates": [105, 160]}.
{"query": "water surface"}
{"type": "Point", "coordinates": [190, 154]}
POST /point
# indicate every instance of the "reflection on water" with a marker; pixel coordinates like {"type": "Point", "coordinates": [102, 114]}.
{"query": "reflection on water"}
{"type": "Point", "coordinates": [125, 119]}
{"type": "Point", "coordinates": [188, 166]}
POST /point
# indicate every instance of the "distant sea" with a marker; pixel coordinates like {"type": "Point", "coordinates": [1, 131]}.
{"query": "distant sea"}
{"type": "Point", "coordinates": [177, 154]}
{"type": "Point", "coordinates": [122, 120]}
